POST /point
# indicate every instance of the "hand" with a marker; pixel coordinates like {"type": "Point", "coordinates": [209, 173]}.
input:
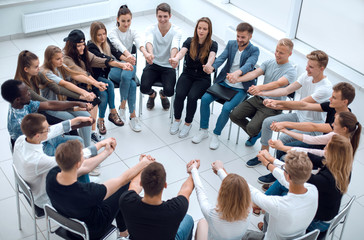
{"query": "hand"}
{"type": "Point", "coordinates": [109, 148]}
{"type": "Point", "coordinates": [208, 68]}
{"type": "Point", "coordinates": [217, 165]}
{"type": "Point", "coordinates": [88, 96]}
{"type": "Point", "coordinates": [127, 66]}
{"type": "Point", "coordinates": [277, 126]}
{"type": "Point", "coordinates": [111, 141]}
{"type": "Point", "coordinates": [149, 58]}
{"type": "Point", "coordinates": [174, 62]}
{"type": "Point", "coordinates": [277, 144]}
{"type": "Point", "coordinates": [101, 86]}
{"type": "Point", "coordinates": [87, 121]}
{"type": "Point", "coordinates": [131, 59]}
{"type": "Point", "coordinates": [146, 158]}
{"type": "Point", "coordinates": [264, 153]}
{"type": "Point", "coordinates": [233, 77]}
{"type": "Point", "coordinates": [254, 90]}
{"type": "Point", "coordinates": [82, 106]}
{"type": "Point", "coordinates": [193, 164]}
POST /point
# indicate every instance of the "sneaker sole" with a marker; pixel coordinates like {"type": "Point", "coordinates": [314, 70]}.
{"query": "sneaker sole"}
{"type": "Point", "coordinates": [214, 148]}
{"type": "Point", "coordinates": [251, 166]}
{"type": "Point", "coordinates": [199, 141]}
{"type": "Point", "coordinates": [182, 136]}
{"type": "Point", "coordinates": [174, 133]}
{"type": "Point", "coordinates": [265, 182]}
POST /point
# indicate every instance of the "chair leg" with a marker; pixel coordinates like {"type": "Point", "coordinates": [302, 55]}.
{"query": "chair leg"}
{"type": "Point", "coordinates": [18, 205]}
{"type": "Point", "coordinates": [231, 124]}
{"type": "Point", "coordinates": [48, 228]}
{"type": "Point", "coordinates": [140, 103]}
{"type": "Point", "coordinates": [237, 135]}
{"type": "Point", "coordinates": [212, 108]}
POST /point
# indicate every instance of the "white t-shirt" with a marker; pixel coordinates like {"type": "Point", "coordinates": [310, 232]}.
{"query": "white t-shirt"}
{"type": "Point", "coordinates": [320, 92]}
{"type": "Point", "coordinates": [125, 40]}
{"type": "Point", "coordinates": [290, 215]}
{"type": "Point", "coordinates": [33, 164]}
{"type": "Point", "coordinates": [235, 66]}
{"type": "Point", "coordinates": [219, 229]}
{"type": "Point", "coordinates": [162, 46]}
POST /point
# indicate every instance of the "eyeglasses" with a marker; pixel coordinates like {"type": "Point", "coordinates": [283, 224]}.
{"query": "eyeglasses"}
{"type": "Point", "coordinates": [282, 167]}
{"type": "Point", "coordinates": [48, 130]}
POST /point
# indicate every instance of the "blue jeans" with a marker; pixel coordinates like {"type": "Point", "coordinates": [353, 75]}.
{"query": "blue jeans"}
{"type": "Point", "coordinates": [185, 229]}
{"type": "Point", "coordinates": [50, 146]}
{"type": "Point", "coordinates": [85, 132]}
{"type": "Point", "coordinates": [106, 97]}
{"type": "Point", "coordinates": [276, 189]}
{"type": "Point", "coordinates": [127, 86]}
{"type": "Point", "coordinates": [225, 111]}
{"type": "Point", "coordinates": [317, 224]}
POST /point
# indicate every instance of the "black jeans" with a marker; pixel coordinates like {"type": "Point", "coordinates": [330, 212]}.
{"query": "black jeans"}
{"type": "Point", "coordinates": [192, 86]}
{"type": "Point", "coordinates": [155, 73]}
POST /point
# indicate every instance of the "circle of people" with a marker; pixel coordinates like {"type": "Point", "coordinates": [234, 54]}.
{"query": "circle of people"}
{"type": "Point", "coordinates": [321, 136]}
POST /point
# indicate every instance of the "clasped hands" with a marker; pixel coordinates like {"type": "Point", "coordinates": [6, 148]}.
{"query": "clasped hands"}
{"type": "Point", "coordinates": [216, 166]}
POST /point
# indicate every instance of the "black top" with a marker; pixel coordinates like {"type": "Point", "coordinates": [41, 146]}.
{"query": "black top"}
{"type": "Point", "coordinates": [83, 201]}
{"type": "Point", "coordinates": [146, 221]}
{"type": "Point", "coordinates": [330, 117]}
{"type": "Point", "coordinates": [103, 72]}
{"type": "Point", "coordinates": [194, 65]}
{"type": "Point", "coordinates": [329, 195]}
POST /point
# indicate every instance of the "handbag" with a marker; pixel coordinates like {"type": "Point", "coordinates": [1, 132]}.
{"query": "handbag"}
{"type": "Point", "coordinates": [221, 92]}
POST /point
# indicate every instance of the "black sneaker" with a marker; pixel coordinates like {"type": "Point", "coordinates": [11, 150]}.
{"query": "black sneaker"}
{"type": "Point", "coordinates": [269, 178]}
{"type": "Point", "coordinates": [96, 137]}
{"type": "Point", "coordinates": [253, 162]}
{"type": "Point", "coordinates": [150, 103]}
{"type": "Point", "coordinates": [165, 102]}
{"type": "Point", "coordinates": [266, 186]}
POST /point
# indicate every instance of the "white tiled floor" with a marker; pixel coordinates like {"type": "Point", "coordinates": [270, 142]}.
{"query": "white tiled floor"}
{"type": "Point", "coordinates": [155, 139]}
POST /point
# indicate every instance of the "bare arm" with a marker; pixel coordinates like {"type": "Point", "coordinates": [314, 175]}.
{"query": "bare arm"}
{"type": "Point", "coordinates": [282, 91]}
{"type": "Point", "coordinates": [60, 105]}
{"type": "Point", "coordinates": [89, 164]}
{"type": "Point", "coordinates": [292, 105]}
{"type": "Point", "coordinates": [175, 60]}
{"type": "Point", "coordinates": [112, 185]}
{"type": "Point", "coordinates": [302, 126]}
{"type": "Point", "coordinates": [187, 188]}
{"type": "Point", "coordinates": [256, 90]}
{"type": "Point", "coordinates": [135, 184]}
{"type": "Point", "coordinates": [251, 75]}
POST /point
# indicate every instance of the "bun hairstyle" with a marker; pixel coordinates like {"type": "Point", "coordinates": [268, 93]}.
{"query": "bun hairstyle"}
{"type": "Point", "coordinates": [123, 10]}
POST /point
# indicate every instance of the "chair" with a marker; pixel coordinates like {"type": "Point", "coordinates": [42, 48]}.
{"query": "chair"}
{"type": "Point", "coordinates": [21, 187]}
{"type": "Point", "coordinates": [340, 218]}
{"type": "Point", "coordinates": [310, 235]}
{"type": "Point", "coordinates": [70, 228]}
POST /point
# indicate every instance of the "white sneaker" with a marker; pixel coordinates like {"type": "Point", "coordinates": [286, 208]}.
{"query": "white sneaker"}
{"type": "Point", "coordinates": [174, 127]}
{"type": "Point", "coordinates": [95, 179]}
{"type": "Point", "coordinates": [214, 143]}
{"type": "Point", "coordinates": [122, 114]}
{"type": "Point", "coordinates": [95, 171]}
{"type": "Point", "coordinates": [201, 135]}
{"type": "Point", "coordinates": [184, 131]}
{"type": "Point", "coordinates": [135, 125]}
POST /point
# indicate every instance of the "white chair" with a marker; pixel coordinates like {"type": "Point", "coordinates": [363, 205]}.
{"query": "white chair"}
{"type": "Point", "coordinates": [310, 235]}
{"type": "Point", "coordinates": [70, 228]}
{"type": "Point", "coordinates": [21, 187]}
{"type": "Point", "coordinates": [340, 218]}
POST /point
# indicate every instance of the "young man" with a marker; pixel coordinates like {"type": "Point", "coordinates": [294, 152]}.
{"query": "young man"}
{"type": "Point", "coordinates": [287, 217]}
{"type": "Point", "coordinates": [162, 43]}
{"type": "Point", "coordinates": [278, 73]}
{"type": "Point", "coordinates": [18, 95]}
{"type": "Point", "coordinates": [149, 217]}
{"type": "Point", "coordinates": [313, 87]}
{"type": "Point", "coordinates": [241, 57]}
{"type": "Point", "coordinates": [33, 164]}
{"type": "Point", "coordinates": [95, 204]}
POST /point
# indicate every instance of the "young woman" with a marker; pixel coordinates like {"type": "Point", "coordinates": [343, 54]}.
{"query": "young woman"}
{"type": "Point", "coordinates": [331, 181]}
{"type": "Point", "coordinates": [193, 82]}
{"type": "Point", "coordinates": [78, 58]}
{"type": "Point", "coordinates": [229, 219]}
{"type": "Point", "coordinates": [123, 38]}
{"type": "Point", "coordinates": [101, 46]}
{"type": "Point", "coordinates": [28, 72]}
{"type": "Point", "coordinates": [345, 124]}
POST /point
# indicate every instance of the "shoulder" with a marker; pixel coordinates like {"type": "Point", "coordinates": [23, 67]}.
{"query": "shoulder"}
{"type": "Point", "coordinates": [326, 106]}
{"type": "Point", "coordinates": [33, 104]}
{"type": "Point", "coordinates": [180, 202]}
{"type": "Point", "coordinates": [252, 48]}
{"type": "Point", "coordinates": [53, 173]}
{"type": "Point", "coordinates": [129, 196]}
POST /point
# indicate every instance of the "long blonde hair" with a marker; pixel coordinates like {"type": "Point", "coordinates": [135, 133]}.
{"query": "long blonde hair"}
{"type": "Point", "coordinates": [94, 28]}
{"type": "Point", "coordinates": [339, 160]}
{"type": "Point", "coordinates": [233, 201]}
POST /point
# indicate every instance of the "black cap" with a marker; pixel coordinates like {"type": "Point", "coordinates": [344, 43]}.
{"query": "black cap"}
{"type": "Point", "coordinates": [75, 36]}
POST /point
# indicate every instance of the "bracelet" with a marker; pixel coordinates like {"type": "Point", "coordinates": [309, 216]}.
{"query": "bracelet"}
{"type": "Point", "coordinates": [268, 166]}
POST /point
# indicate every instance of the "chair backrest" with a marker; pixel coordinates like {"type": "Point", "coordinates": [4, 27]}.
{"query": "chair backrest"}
{"type": "Point", "coordinates": [340, 218]}
{"type": "Point", "coordinates": [73, 225]}
{"type": "Point", "coordinates": [24, 188]}
{"type": "Point", "coordinates": [310, 235]}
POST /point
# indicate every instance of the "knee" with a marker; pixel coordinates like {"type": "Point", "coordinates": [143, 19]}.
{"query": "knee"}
{"type": "Point", "coordinates": [226, 109]}
{"type": "Point", "coordinates": [168, 92]}
{"type": "Point", "coordinates": [144, 88]}
{"type": "Point", "coordinates": [205, 100]}
{"type": "Point", "coordinates": [266, 124]}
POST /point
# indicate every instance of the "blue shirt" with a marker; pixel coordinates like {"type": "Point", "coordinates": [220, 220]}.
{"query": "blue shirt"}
{"type": "Point", "coordinates": [15, 116]}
